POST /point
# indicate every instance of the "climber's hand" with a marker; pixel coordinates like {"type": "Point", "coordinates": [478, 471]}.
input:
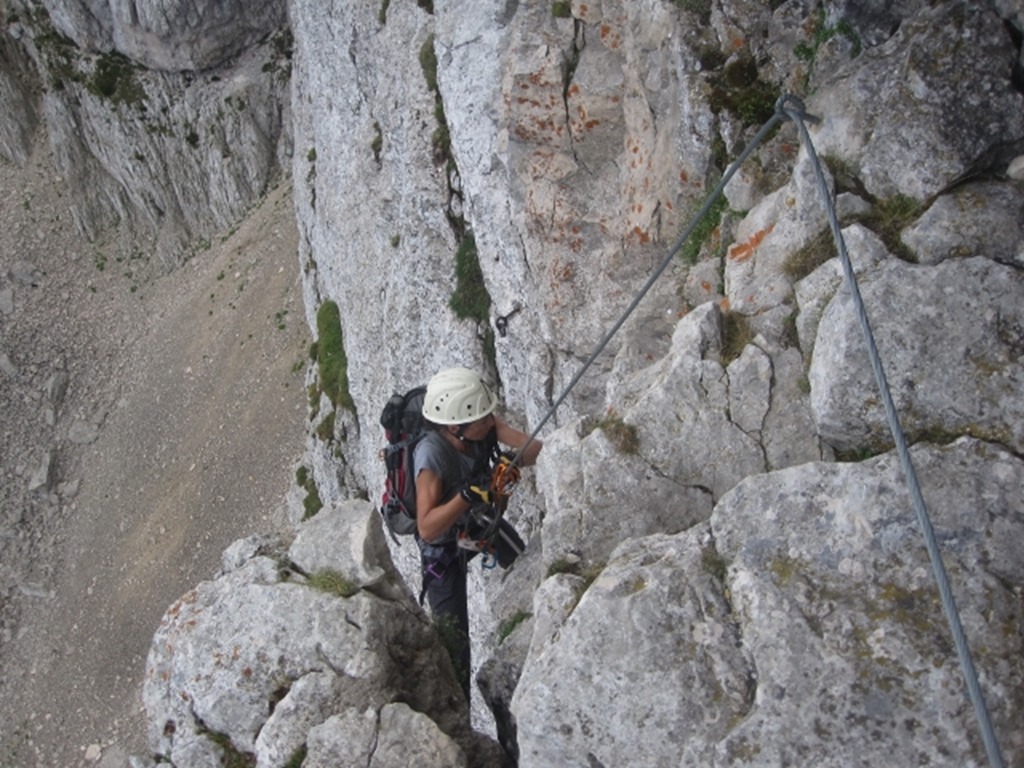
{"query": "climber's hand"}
{"type": "Point", "coordinates": [477, 491]}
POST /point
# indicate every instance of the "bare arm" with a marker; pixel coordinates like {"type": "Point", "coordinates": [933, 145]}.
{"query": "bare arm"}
{"type": "Point", "coordinates": [434, 518]}
{"type": "Point", "coordinates": [513, 438]}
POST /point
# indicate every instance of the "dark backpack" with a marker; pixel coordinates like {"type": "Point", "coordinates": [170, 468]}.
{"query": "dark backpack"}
{"type": "Point", "coordinates": [402, 419]}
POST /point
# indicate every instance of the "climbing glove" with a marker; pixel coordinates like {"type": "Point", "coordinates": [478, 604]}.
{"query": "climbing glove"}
{"type": "Point", "coordinates": [477, 491]}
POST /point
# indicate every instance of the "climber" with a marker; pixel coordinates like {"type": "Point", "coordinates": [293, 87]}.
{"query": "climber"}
{"type": "Point", "coordinates": [453, 479]}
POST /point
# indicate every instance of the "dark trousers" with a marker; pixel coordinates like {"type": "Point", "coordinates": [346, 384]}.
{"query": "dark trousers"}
{"type": "Point", "coordinates": [445, 588]}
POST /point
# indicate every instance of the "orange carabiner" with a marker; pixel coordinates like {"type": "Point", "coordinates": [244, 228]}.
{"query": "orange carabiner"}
{"type": "Point", "coordinates": [504, 477]}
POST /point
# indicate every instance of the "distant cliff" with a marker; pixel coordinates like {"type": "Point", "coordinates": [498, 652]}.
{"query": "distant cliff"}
{"type": "Point", "coordinates": [167, 122]}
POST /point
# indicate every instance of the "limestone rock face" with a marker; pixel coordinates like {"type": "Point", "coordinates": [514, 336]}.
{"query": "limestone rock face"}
{"type": "Point", "coordinates": [914, 113]}
{"type": "Point", "coordinates": [802, 625]}
{"type": "Point", "coordinates": [828, 573]}
{"type": "Point", "coordinates": [705, 583]}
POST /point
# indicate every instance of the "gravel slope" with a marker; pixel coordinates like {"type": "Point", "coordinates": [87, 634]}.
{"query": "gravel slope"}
{"type": "Point", "coordinates": [178, 432]}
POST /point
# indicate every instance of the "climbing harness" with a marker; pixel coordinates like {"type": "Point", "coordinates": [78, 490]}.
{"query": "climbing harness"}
{"type": "Point", "coordinates": [792, 108]}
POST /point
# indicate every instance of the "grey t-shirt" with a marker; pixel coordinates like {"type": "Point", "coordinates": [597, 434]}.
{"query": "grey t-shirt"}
{"type": "Point", "coordinates": [454, 469]}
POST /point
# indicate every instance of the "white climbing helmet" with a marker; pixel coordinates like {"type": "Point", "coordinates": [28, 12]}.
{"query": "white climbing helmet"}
{"type": "Point", "coordinates": [457, 396]}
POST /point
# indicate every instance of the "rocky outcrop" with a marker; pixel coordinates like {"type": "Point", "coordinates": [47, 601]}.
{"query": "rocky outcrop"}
{"type": "Point", "coordinates": [801, 625]}
{"type": "Point", "coordinates": [315, 649]}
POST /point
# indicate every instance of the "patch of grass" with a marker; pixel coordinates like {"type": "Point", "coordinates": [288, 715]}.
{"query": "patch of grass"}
{"type": "Point", "coordinates": [888, 217]}
{"type": "Point", "coordinates": [576, 568]}
{"type": "Point", "coordinates": [808, 51]}
{"type": "Point", "coordinates": [800, 263]}
{"type": "Point", "coordinates": [440, 140]}
{"type": "Point", "coordinates": [428, 63]}
{"type": "Point", "coordinates": [470, 301]}
{"type": "Point", "coordinates": [861, 453]}
{"type": "Point", "coordinates": [114, 79]}
{"type": "Point", "coordinates": [333, 583]}
{"type": "Point", "coordinates": [738, 89]}
{"type": "Point", "coordinates": [298, 758]}
{"type": "Point", "coordinates": [620, 434]}
{"type": "Point", "coordinates": [712, 562]}
{"type": "Point", "coordinates": [325, 429]}
{"type": "Point", "coordinates": [508, 626]}
{"type": "Point", "coordinates": [561, 9]}
{"type": "Point", "coordinates": [790, 335]}
{"type": "Point", "coordinates": [233, 757]}
{"type": "Point", "coordinates": [452, 640]}
{"type": "Point", "coordinates": [563, 565]}
{"type": "Point", "coordinates": [378, 142]}
{"type": "Point", "coordinates": [700, 7]}
{"type": "Point", "coordinates": [396, 240]}
{"type": "Point", "coordinates": [704, 230]}
{"type": "Point", "coordinates": [312, 503]}
{"type": "Point", "coordinates": [331, 359]}
{"type": "Point", "coordinates": [736, 334]}
{"type": "Point", "coordinates": [283, 44]}
{"type": "Point", "coordinates": [382, 14]}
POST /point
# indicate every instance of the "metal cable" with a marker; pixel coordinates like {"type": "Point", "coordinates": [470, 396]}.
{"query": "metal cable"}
{"type": "Point", "coordinates": [794, 109]}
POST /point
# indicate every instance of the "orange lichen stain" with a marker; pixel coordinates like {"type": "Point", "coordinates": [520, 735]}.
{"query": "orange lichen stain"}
{"type": "Point", "coordinates": [583, 10]}
{"type": "Point", "coordinates": [605, 31]}
{"type": "Point", "coordinates": [668, 205]}
{"type": "Point", "coordinates": [591, 124]}
{"type": "Point", "coordinates": [642, 235]}
{"type": "Point", "coordinates": [743, 251]}
{"type": "Point", "coordinates": [738, 42]}
{"type": "Point", "coordinates": [723, 304]}
{"type": "Point", "coordinates": [684, 177]}
{"type": "Point", "coordinates": [573, 90]}
{"type": "Point", "coordinates": [247, 672]}
{"type": "Point", "coordinates": [705, 286]}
